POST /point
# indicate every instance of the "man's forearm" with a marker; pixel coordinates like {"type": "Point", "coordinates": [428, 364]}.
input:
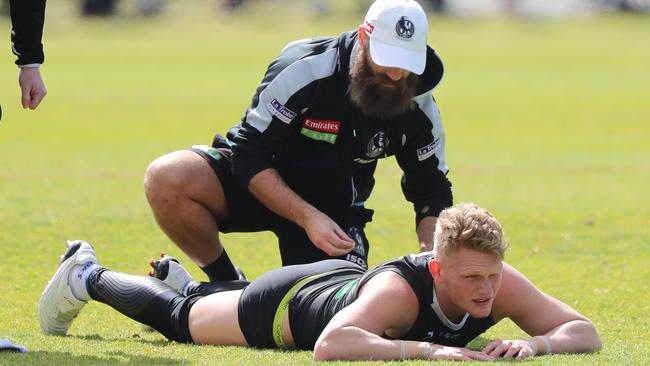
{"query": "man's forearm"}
{"type": "Point", "coordinates": [353, 343]}
{"type": "Point", "coordinates": [574, 337]}
{"type": "Point", "coordinates": [424, 231]}
{"type": "Point", "coordinates": [325, 234]}
{"type": "Point", "coordinates": [269, 188]}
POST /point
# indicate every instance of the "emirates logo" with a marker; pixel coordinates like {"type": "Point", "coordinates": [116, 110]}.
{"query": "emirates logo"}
{"type": "Point", "coordinates": [404, 28]}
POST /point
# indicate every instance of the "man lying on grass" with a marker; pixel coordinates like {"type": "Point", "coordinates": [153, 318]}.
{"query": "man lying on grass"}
{"type": "Point", "coordinates": [425, 306]}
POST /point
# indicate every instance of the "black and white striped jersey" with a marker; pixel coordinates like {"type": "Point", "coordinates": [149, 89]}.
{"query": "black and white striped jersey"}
{"type": "Point", "coordinates": [301, 123]}
{"type": "Point", "coordinates": [27, 17]}
{"type": "Point", "coordinates": [314, 305]}
{"type": "Point", "coordinates": [431, 324]}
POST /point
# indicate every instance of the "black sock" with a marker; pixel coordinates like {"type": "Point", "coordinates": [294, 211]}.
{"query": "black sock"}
{"type": "Point", "coordinates": [146, 300]}
{"type": "Point", "coordinates": [221, 270]}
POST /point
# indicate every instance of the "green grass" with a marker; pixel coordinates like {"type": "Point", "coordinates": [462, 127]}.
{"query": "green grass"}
{"type": "Point", "coordinates": [546, 126]}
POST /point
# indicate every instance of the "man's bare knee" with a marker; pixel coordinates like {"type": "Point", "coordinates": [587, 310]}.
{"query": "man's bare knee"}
{"type": "Point", "coordinates": [183, 175]}
{"type": "Point", "coordinates": [164, 176]}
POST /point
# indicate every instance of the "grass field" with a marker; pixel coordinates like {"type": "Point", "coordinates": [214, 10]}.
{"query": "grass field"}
{"type": "Point", "coordinates": [546, 126]}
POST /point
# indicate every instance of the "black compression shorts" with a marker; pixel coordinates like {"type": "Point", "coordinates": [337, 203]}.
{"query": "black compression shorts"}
{"type": "Point", "coordinates": [270, 294]}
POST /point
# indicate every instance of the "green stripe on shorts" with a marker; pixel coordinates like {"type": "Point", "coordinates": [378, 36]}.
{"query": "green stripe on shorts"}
{"type": "Point", "coordinates": [214, 153]}
{"type": "Point", "coordinates": [281, 311]}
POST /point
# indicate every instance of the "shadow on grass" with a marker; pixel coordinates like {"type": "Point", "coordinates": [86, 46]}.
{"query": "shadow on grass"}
{"type": "Point", "coordinates": [104, 358]}
{"type": "Point", "coordinates": [96, 337]}
{"type": "Point", "coordinates": [161, 342]}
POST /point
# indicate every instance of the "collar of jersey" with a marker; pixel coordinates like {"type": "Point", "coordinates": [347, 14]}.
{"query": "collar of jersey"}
{"type": "Point", "coordinates": [443, 318]}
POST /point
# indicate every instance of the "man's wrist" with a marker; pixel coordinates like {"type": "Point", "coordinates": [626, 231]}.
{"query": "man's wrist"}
{"type": "Point", "coordinates": [533, 345]}
{"type": "Point", "coordinates": [427, 351]}
{"type": "Point", "coordinates": [303, 212]}
{"type": "Point", "coordinates": [541, 345]}
{"type": "Point", "coordinates": [547, 344]}
{"type": "Point", "coordinates": [29, 66]}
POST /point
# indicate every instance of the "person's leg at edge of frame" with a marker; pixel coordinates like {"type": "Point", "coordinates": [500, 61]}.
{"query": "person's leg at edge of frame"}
{"type": "Point", "coordinates": [187, 200]}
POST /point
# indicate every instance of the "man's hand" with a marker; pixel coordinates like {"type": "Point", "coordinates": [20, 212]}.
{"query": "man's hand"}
{"type": "Point", "coordinates": [425, 230]}
{"type": "Point", "coordinates": [459, 354]}
{"type": "Point", "coordinates": [517, 348]}
{"type": "Point", "coordinates": [327, 235]}
{"type": "Point", "coordinates": [32, 87]}
{"type": "Point", "coordinates": [324, 233]}
{"type": "Point", "coordinates": [425, 247]}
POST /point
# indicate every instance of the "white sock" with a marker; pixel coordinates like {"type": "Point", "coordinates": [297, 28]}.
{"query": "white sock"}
{"type": "Point", "coordinates": [78, 278]}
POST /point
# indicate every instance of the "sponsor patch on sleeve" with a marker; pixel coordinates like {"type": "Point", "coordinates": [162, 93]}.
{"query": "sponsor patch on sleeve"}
{"type": "Point", "coordinates": [428, 150]}
{"type": "Point", "coordinates": [281, 112]}
{"type": "Point", "coordinates": [328, 126]}
{"type": "Point", "coordinates": [321, 130]}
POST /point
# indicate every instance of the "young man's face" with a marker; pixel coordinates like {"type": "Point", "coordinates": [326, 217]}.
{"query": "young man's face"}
{"type": "Point", "coordinates": [381, 92]}
{"type": "Point", "coordinates": [470, 279]}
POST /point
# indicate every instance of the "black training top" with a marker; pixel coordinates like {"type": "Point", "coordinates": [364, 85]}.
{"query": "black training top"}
{"type": "Point", "coordinates": [27, 18]}
{"type": "Point", "coordinates": [314, 305]}
{"type": "Point", "coordinates": [301, 123]}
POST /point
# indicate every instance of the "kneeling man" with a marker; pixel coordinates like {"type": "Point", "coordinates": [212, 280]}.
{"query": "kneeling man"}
{"type": "Point", "coordinates": [425, 306]}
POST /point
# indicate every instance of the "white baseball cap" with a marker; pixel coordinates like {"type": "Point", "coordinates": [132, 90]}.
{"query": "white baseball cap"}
{"type": "Point", "coordinates": [398, 34]}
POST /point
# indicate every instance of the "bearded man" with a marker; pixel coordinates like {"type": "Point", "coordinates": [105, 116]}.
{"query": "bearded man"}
{"type": "Point", "coordinates": [301, 162]}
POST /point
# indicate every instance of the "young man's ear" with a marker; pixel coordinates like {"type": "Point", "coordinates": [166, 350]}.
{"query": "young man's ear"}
{"type": "Point", "coordinates": [434, 268]}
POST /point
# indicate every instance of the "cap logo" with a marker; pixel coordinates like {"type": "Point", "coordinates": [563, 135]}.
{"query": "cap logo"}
{"type": "Point", "coordinates": [404, 28]}
{"type": "Point", "coordinates": [368, 27]}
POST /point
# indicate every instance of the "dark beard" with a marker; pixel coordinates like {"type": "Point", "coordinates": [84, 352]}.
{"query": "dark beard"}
{"type": "Point", "coordinates": [368, 92]}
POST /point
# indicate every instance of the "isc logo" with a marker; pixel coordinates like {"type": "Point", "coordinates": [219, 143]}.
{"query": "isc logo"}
{"type": "Point", "coordinates": [356, 259]}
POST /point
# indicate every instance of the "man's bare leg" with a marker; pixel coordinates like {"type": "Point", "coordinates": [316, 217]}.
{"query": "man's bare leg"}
{"type": "Point", "coordinates": [214, 320]}
{"type": "Point", "coordinates": [187, 201]}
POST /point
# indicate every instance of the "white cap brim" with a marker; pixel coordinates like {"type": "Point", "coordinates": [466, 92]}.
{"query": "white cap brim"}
{"type": "Point", "coordinates": [387, 55]}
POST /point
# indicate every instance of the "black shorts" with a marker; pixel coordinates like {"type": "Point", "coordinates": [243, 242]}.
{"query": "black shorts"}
{"type": "Point", "coordinates": [262, 299]}
{"type": "Point", "coordinates": [247, 214]}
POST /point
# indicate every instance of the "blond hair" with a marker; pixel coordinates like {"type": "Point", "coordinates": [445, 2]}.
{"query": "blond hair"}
{"type": "Point", "coordinates": [470, 226]}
